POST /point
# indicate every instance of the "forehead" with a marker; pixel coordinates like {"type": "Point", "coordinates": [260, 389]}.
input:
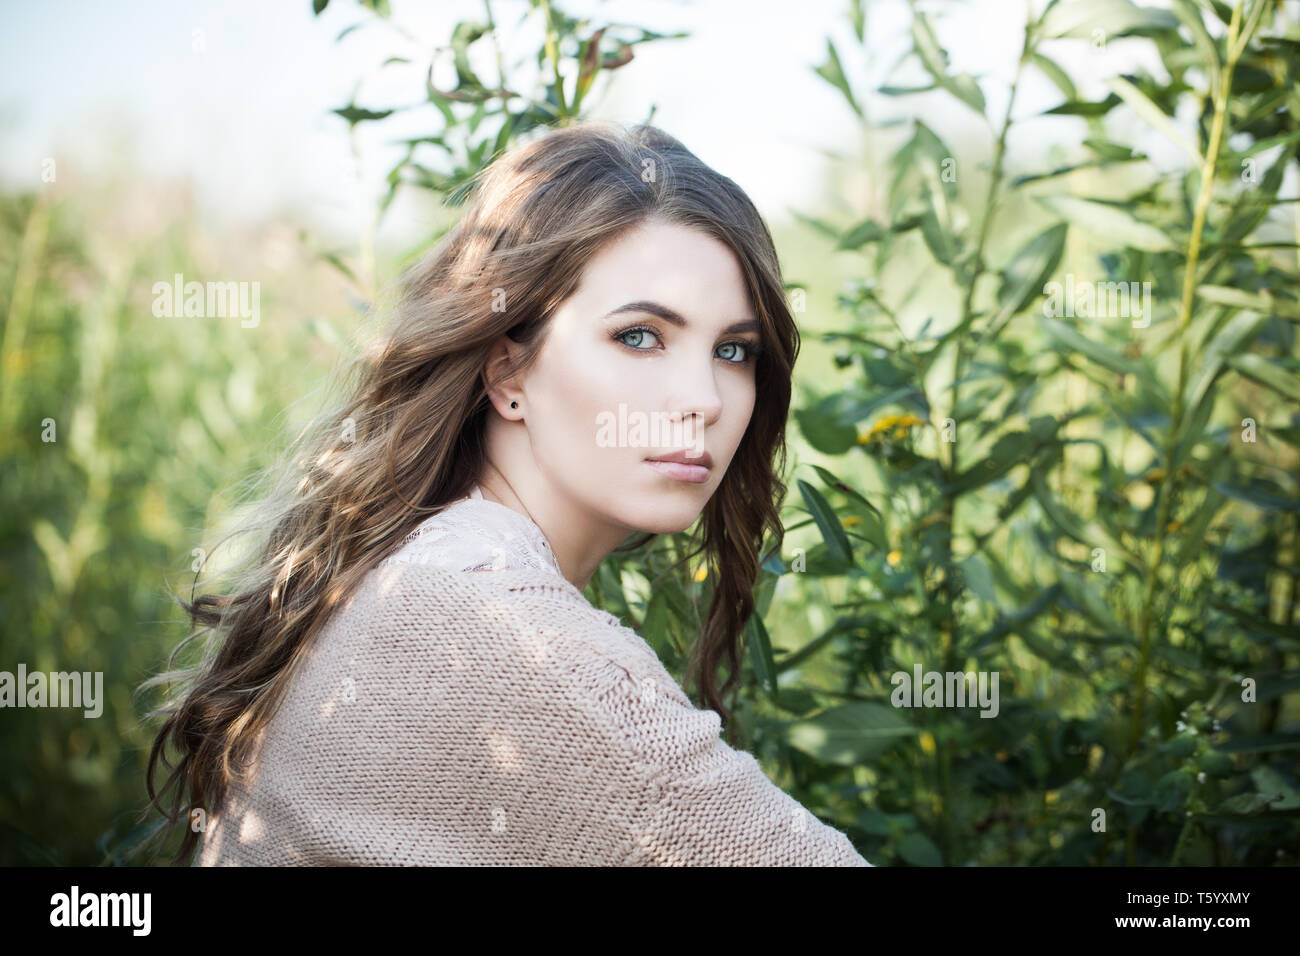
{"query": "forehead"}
{"type": "Point", "coordinates": [683, 268]}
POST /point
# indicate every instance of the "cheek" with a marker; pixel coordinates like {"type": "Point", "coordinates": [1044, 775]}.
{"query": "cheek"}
{"type": "Point", "coordinates": [576, 392]}
{"type": "Point", "coordinates": [740, 401]}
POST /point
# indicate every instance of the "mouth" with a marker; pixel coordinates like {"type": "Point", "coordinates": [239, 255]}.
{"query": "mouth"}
{"type": "Point", "coordinates": [682, 466]}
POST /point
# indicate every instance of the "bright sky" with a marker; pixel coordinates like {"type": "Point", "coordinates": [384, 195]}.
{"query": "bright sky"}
{"type": "Point", "coordinates": [235, 94]}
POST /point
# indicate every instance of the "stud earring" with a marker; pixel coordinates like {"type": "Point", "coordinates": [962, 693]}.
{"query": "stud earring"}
{"type": "Point", "coordinates": [514, 404]}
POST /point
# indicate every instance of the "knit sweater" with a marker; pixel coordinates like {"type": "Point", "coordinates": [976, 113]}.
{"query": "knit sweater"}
{"type": "Point", "coordinates": [468, 706]}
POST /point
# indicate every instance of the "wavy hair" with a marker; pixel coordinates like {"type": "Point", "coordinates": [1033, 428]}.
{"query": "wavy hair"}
{"type": "Point", "coordinates": [408, 437]}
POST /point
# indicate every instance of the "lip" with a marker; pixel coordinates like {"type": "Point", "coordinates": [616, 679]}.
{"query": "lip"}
{"type": "Point", "coordinates": [682, 466]}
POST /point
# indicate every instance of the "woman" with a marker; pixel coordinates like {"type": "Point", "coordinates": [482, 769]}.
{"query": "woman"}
{"type": "Point", "coordinates": [411, 674]}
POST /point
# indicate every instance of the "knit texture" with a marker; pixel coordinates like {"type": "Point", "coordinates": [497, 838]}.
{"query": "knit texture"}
{"type": "Point", "coordinates": [447, 716]}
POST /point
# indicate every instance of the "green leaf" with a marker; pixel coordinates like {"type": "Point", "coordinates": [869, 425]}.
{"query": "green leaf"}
{"type": "Point", "coordinates": [1010, 450]}
{"type": "Point", "coordinates": [1148, 110]}
{"type": "Point", "coordinates": [318, 6]}
{"type": "Point", "coordinates": [1262, 301]}
{"type": "Point", "coordinates": [1055, 74]}
{"type": "Point", "coordinates": [935, 61]}
{"type": "Point", "coordinates": [937, 230]}
{"type": "Point", "coordinates": [1091, 535]}
{"type": "Point", "coordinates": [1194, 535]}
{"type": "Point", "coordinates": [857, 18]}
{"type": "Point", "coordinates": [1259, 497]}
{"type": "Point", "coordinates": [919, 850]}
{"type": "Point", "coordinates": [1258, 743]}
{"type": "Point", "coordinates": [850, 734]}
{"type": "Point", "coordinates": [871, 526]}
{"type": "Point", "coordinates": [888, 90]}
{"type": "Point", "coordinates": [833, 72]}
{"type": "Point", "coordinates": [864, 232]}
{"type": "Point", "coordinates": [1103, 355]}
{"type": "Point", "coordinates": [1246, 803]}
{"type": "Point", "coordinates": [760, 654]}
{"type": "Point", "coordinates": [1023, 280]}
{"type": "Point", "coordinates": [1085, 107]}
{"type": "Point", "coordinates": [979, 579]}
{"type": "Point", "coordinates": [1115, 152]}
{"type": "Point", "coordinates": [1190, 17]}
{"type": "Point", "coordinates": [1115, 17]}
{"type": "Point", "coordinates": [1232, 338]}
{"type": "Point", "coordinates": [355, 114]}
{"type": "Point", "coordinates": [1255, 366]}
{"type": "Point", "coordinates": [828, 523]}
{"type": "Point", "coordinates": [1108, 222]}
{"type": "Point", "coordinates": [1271, 782]}
{"type": "Point", "coordinates": [1082, 590]}
{"type": "Point", "coordinates": [825, 428]}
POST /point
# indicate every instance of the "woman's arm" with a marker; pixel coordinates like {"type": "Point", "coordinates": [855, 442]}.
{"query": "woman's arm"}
{"type": "Point", "coordinates": [707, 803]}
{"type": "Point", "coordinates": [701, 802]}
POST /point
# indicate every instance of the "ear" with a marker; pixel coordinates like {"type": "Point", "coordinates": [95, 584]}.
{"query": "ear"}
{"type": "Point", "coordinates": [502, 360]}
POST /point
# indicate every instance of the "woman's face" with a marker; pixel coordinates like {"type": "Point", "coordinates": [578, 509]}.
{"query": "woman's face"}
{"type": "Point", "coordinates": [654, 353]}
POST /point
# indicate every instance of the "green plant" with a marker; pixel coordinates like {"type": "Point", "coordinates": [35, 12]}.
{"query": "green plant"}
{"type": "Point", "coordinates": [1103, 512]}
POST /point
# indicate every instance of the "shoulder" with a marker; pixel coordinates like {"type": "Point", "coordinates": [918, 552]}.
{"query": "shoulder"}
{"type": "Point", "coordinates": [535, 610]}
{"type": "Point", "coordinates": [534, 623]}
{"type": "Point", "coordinates": [472, 534]}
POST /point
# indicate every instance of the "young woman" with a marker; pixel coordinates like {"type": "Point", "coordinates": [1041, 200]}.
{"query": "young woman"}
{"type": "Point", "coordinates": [410, 674]}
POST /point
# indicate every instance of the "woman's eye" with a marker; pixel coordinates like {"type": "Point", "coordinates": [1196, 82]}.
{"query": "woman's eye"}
{"type": "Point", "coordinates": [744, 355]}
{"type": "Point", "coordinates": [633, 339]}
{"type": "Point", "coordinates": [623, 337]}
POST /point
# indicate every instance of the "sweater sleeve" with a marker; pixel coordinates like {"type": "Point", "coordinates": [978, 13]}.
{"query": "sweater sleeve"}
{"type": "Point", "coordinates": [710, 804]}
{"type": "Point", "coordinates": [704, 803]}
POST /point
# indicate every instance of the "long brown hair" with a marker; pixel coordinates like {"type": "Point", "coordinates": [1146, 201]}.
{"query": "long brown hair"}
{"type": "Point", "coordinates": [409, 436]}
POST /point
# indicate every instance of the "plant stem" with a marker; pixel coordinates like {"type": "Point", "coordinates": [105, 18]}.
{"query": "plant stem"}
{"type": "Point", "coordinates": [1181, 843]}
{"type": "Point", "coordinates": [553, 54]}
{"type": "Point", "coordinates": [948, 637]}
{"type": "Point", "coordinates": [1208, 165]}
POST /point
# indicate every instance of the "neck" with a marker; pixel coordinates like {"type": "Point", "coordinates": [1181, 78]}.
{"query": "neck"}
{"type": "Point", "coordinates": [579, 538]}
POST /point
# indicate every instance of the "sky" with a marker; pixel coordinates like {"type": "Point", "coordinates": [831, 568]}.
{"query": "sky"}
{"type": "Point", "coordinates": [235, 95]}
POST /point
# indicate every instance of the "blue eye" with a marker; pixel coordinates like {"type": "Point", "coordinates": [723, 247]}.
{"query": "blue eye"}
{"type": "Point", "coordinates": [638, 331]}
{"type": "Point", "coordinates": [751, 349]}
{"type": "Point", "coordinates": [741, 345]}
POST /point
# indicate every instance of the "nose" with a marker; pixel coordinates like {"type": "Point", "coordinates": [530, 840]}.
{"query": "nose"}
{"type": "Point", "coordinates": [695, 401]}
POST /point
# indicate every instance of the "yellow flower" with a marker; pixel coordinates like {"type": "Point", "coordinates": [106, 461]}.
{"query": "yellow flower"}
{"type": "Point", "coordinates": [1050, 797]}
{"type": "Point", "coordinates": [896, 423]}
{"type": "Point", "coordinates": [894, 557]}
{"type": "Point", "coordinates": [701, 574]}
{"type": "Point", "coordinates": [851, 520]}
{"type": "Point", "coordinates": [927, 743]}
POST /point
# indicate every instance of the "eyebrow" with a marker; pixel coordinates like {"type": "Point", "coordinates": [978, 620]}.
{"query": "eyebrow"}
{"type": "Point", "coordinates": [668, 315]}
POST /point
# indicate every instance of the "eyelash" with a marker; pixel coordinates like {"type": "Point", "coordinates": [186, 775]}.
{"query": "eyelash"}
{"type": "Point", "coordinates": [752, 349]}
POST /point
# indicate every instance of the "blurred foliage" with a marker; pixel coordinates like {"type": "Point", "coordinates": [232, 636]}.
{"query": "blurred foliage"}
{"type": "Point", "coordinates": [1073, 504]}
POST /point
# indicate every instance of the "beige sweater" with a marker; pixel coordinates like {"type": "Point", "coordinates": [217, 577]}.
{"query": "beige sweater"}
{"type": "Point", "coordinates": [449, 716]}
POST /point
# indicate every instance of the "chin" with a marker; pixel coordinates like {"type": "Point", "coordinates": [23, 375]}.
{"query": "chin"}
{"type": "Point", "coordinates": [662, 515]}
